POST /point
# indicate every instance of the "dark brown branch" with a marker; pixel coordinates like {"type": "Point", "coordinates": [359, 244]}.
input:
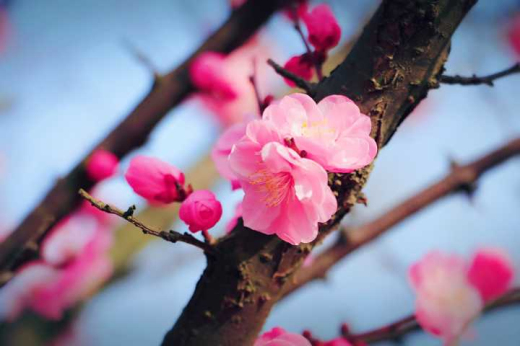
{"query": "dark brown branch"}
{"type": "Point", "coordinates": [476, 80]}
{"type": "Point", "coordinates": [459, 179]}
{"type": "Point", "coordinates": [389, 70]}
{"type": "Point", "coordinates": [171, 236]}
{"type": "Point", "coordinates": [300, 82]}
{"type": "Point", "coordinates": [172, 89]}
{"type": "Point", "coordinates": [408, 324]}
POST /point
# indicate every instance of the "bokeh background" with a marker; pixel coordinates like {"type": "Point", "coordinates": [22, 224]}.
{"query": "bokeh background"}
{"type": "Point", "coordinates": [68, 76]}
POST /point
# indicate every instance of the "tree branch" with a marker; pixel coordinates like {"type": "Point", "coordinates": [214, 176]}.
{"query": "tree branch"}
{"type": "Point", "coordinates": [394, 63]}
{"type": "Point", "coordinates": [300, 82]}
{"type": "Point", "coordinates": [408, 324]}
{"type": "Point", "coordinates": [172, 89]}
{"type": "Point", "coordinates": [171, 236]}
{"type": "Point", "coordinates": [475, 80]}
{"type": "Point", "coordinates": [461, 178]}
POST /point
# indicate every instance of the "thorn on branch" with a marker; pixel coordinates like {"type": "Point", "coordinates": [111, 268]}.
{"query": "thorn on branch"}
{"type": "Point", "coordinates": [144, 60]}
{"type": "Point", "coordinates": [300, 82]}
{"type": "Point", "coordinates": [171, 236]}
{"type": "Point", "coordinates": [476, 80]}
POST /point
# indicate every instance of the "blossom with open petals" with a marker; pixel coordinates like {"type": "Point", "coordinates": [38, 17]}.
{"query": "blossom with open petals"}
{"type": "Point", "coordinates": [279, 337]}
{"type": "Point", "coordinates": [333, 132]}
{"type": "Point", "coordinates": [155, 180]}
{"type": "Point", "coordinates": [200, 211]}
{"type": "Point", "coordinates": [222, 149]}
{"type": "Point", "coordinates": [285, 194]}
{"type": "Point", "coordinates": [324, 30]}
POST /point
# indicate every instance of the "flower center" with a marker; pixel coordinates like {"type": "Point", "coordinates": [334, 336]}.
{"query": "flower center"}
{"type": "Point", "coordinates": [317, 129]}
{"type": "Point", "coordinates": [274, 186]}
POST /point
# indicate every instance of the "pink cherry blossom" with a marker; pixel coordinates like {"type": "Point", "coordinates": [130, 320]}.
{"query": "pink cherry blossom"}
{"type": "Point", "coordinates": [300, 65]}
{"type": "Point", "coordinates": [301, 9]}
{"type": "Point", "coordinates": [155, 180]}
{"type": "Point", "coordinates": [101, 165]}
{"type": "Point", "coordinates": [491, 273]}
{"type": "Point", "coordinates": [333, 133]}
{"type": "Point", "coordinates": [208, 74]}
{"type": "Point", "coordinates": [514, 34]}
{"type": "Point", "coordinates": [324, 31]}
{"type": "Point", "coordinates": [233, 222]}
{"type": "Point", "coordinates": [285, 194]}
{"type": "Point", "coordinates": [446, 301]}
{"type": "Point", "coordinates": [279, 337]}
{"type": "Point", "coordinates": [222, 149]}
{"type": "Point", "coordinates": [200, 211]}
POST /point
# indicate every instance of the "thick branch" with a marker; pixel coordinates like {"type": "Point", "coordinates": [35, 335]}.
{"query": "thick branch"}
{"type": "Point", "coordinates": [461, 178]}
{"type": "Point", "coordinates": [476, 80]}
{"type": "Point", "coordinates": [168, 92]}
{"type": "Point", "coordinates": [171, 236]}
{"type": "Point", "coordinates": [408, 324]}
{"type": "Point", "coordinates": [394, 63]}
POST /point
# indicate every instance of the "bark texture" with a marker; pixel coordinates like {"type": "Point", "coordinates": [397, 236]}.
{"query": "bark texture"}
{"type": "Point", "coordinates": [167, 92]}
{"type": "Point", "coordinates": [394, 63]}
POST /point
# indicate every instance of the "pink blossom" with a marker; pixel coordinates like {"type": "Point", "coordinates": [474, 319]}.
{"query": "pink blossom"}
{"type": "Point", "coordinates": [285, 194]}
{"type": "Point", "coordinates": [155, 180]}
{"type": "Point", "coordinates": [333, 133]}
{"type": "Point", "coordinates": [514, 34]}
{"type": "Point", "coordinates": [102, 164]}
{"type": "Point", "coordinates": [446, 301]}
{"type": "Point", "coordinates": [233, 222]}
{"type": "Point", "coordinates": [491, 273]}
{"type": "Point", "coordinates": [301, 9]}
{"type": "Point", "coordinates": [300, 65]}
{"type": "Point", "coordinates": [279, 337]}
{"type": "Point", "coordinates": [324, 31]}
{"type": "Point", "coordinates": [222, 149]}
{"type": "Point", "coordinates": [200, 211]}
{"type": "Point", "coordinates": [208, 74]}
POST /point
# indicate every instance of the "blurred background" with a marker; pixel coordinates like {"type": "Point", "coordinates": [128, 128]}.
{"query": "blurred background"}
{"type": "Point", "coordinates": [69, 74]}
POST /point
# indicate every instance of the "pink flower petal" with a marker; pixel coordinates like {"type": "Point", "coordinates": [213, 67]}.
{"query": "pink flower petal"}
{"type": "Point", "coordinates": [324, 31]}
{"type": "Point", "coordinates": [279, 337]}
{"type": "Point", "coordinates": [200, 211]}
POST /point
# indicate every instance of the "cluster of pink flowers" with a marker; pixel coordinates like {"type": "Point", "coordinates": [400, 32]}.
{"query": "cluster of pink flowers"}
{"type": "Point", "coordinates": [162, 183]}
{"type": "Point", "coordinates": [451, 292]}
{"type": "Point", "coordinates": [324, 34]}
{"type": "Point", "coordinates": [281, 162]}
{"type": "Point", "coordinates": [74, 262]}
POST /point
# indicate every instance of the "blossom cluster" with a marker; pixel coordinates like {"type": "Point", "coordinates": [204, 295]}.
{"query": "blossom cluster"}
{"type": "Point", "coordinates": [281, 162]}
{"type": "Point", "coordinates": [451, 292]}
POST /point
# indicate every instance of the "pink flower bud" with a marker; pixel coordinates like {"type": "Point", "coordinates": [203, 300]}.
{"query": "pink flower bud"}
{"type": "Point", "coordinates": [301, 66]}
{"type": "Point", "coordinates": [294, 14]}
{"type": "Point", "coordinates": [200, 211]}
{"type": "Point", "coordinates": [155, 180]}
{"type": "Point", "coordinates": [102, 165]}
{"type": "Point", "coordinates": [491, 273]}
{"type": "Point", "coordinates": [324, 31]}
{"type": "Point", "coordinates": [208, 73]}
{"type": "Point", "coordinates": [278, 336]}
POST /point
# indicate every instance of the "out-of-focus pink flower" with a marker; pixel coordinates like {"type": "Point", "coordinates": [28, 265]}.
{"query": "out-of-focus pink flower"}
{"type": "Point", "coordinates": [324, 31]}
{"type": "Point", "coordinates": [333, 133]}
{"type": "Point", "coordinates": [102, 165]}
{"type": "Point", "coordinates": [237, 69]}
{"type": "Point", "coordinates": [309, 260]}
{"type": "Point", "coordinates": [447, 301]}
{"type": "Point", "coordinates": [155, 180]}
{"type": "Point", "coordinates": [208, 73]}
{"type": "Point", "coordinates": [491, 273]}
{"type": "Point", "coordinates": [233, 222]}
{"type": "Point", "coordinates": [222, 149]}
{"type": "Point", "coordinates": [301, 66]}
{"type": "Point", "coordinates": [200, 211]}
{"type": "Point", "coordinates": [68, 239]}
{"type": "Point", "coordinates": [295, 13]}
{"type": "Point", "coordinates": [340, 342]}
{"type": "Point", "coordinates": [285, 194]}
{"type": "Point", "coordinates": [279, 337]}
{"type": "Point", "coordinates": [514, 34]}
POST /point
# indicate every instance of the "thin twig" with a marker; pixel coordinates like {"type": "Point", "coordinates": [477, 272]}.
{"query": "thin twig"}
{"type": "Point", "coordinates": [143, 59]}
{"type": "Point", "coordinates": [298, 29]}
{"type": "Point", "coordinates": [461, 178]}
{"type": "Point", "coordinates": [131, 133]}
{"type": "Point", "coordinates": [300, 82]}
{"type": "Point", "coordinates": [171, 236]}
{"type": "Point", "coordinates": [476, 80]}
{"type": "Point", "coordinates": [409, 323]}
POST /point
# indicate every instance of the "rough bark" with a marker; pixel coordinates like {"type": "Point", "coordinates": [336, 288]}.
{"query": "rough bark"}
{"type": "Point", "coordinates": [168, 91]}
{"type": "Point", "coordinates": [394, 63]}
